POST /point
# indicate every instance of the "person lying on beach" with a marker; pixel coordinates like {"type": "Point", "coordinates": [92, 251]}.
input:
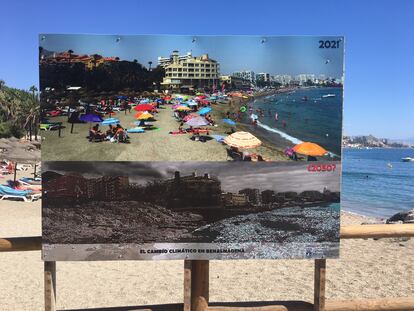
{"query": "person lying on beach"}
{"type": "Point", "coordinates": [19, 186]}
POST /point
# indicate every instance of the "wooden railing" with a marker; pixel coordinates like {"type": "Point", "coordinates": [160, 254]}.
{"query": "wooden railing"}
{"type": "Point", "coordinates": [196, 280]}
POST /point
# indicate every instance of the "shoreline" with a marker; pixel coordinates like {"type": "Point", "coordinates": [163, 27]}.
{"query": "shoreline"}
{"type": "Point", "coordinates": [266, 131]}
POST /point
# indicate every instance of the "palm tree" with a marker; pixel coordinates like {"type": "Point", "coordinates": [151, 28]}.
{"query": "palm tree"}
{"type": "Point", "coordinates": [149, 63]}
{"type": "Point", "coordinates": [33, 89]}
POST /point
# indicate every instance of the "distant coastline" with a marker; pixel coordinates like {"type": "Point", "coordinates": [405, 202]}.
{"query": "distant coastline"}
{"type": "Point", "coordinates": [371, 142]}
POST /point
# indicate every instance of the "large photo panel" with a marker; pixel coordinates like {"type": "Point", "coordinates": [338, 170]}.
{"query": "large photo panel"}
{"type": "Point", "coordinates": [190, 147]}
{"type": "Point", "coordinates": [191, 98]}
{"type": "Point", "coordinates": [190, 210]}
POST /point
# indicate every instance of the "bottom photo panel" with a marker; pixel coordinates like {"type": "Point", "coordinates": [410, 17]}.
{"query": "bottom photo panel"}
{"type": "Point", "coordinates": [190, 210]}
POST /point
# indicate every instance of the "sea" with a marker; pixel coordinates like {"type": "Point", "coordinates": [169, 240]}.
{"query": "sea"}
{"type": "Point", "coordinates": [375, 182]}
{"type": "Point", "coordinates": [303, 115]}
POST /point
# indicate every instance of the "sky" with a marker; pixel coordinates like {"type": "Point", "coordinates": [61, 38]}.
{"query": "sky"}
{"type": "Point", "coordinates": [379, 41]}
{"type": "Point", "coordinates": [280, 176]}
{"type": "Point", "coordinates": [291, 55]}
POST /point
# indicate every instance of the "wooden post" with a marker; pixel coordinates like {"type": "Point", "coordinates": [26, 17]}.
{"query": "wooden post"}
{"type": "Point", "coordinates": [15, 171]}
{"type": "Point", "coordinates": [71, 128]}
{"type": "Point", "coordinates": [50, 285]}
{"type": "Point", "coordinates": [187, 285]}
{"type": "Point", "coordinates": [319, 286]}
{"type": "Point", "coordinates": [199, 283]}
{"type": "Point", "coordinates": [60, 130]}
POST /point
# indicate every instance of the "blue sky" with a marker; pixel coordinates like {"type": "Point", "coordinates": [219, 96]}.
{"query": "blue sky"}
{"type": "Point", "coordinates": [291, 55]}
{"type": "Point", "coordinates": [379, 35]}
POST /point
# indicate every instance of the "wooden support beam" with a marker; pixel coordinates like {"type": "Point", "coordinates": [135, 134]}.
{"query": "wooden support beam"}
{"type": "Point", "coordinates": [33, 243]}
{"type": "Point", "coordinates": [199, 284]}
{"type": "Point", "coordinates": [263, 308]}
{"type": "Point", "coordinates": [187, 285]}
{"type": "Point", "coordinates": [377, 231]}
{"type": "Point", "coordinates": [382, 304]}
{"type": "Point", "coordinates": [319, 285]}
{"type": "Point", "coordinates": [50, 285]}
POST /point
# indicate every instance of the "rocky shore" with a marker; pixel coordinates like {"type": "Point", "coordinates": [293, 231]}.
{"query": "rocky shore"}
{"type": "Point", "coordinates": [144, 222]}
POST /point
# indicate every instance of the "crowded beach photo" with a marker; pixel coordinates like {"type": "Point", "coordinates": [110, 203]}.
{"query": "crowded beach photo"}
{"type": "Point", "coordinates": [183, 98]}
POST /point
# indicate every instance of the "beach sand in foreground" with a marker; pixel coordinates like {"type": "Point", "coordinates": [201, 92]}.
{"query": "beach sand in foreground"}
{"type": "Point", "coordinates": [367, 269]}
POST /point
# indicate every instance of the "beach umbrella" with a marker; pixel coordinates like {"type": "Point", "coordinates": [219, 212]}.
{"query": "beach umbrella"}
{"type": "Point", "coordinates": [203, 101]}
{"type": "Point", "coordinates": [242, 140]}
{"type": "Point", "coordinates": [188, 117]}
{"type": "Point", "coordinates": [204, 110]}
{"type": "Point", "coordinates": [92, 118]}
{"type": "Point", "coordinates": [310, 149]}
{"type": "Point", "coordinates": [191, 103]}
{"type": "Point", "coordinates": [178, 105]}
{"type": "Point", "coordinates": [110, 121]}
{"type": "Point", "coordinates": [197, 122]}
{"type": "Point", "coordinates": [254, 116]}
{"type": "Point", "coordinates": [183, 108]}
{"type": "Point", "coordinates": [138, 114]}
{"type": "Point", "coordinates": [145, 116]}
{"type": "Point", "coordinates": [229, 121]}
{"type": "Point", "coordinates": [144, 107]}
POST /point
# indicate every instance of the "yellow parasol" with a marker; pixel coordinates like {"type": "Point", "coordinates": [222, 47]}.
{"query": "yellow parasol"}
{"type": "Point", "coordinates": [310, 149]}
{"type": "Point", "coordinates": [145, 116]}
{"type": "Point", "coordinates": [183, 108]}
{"type": "Point", "coordinates": [242, 140]}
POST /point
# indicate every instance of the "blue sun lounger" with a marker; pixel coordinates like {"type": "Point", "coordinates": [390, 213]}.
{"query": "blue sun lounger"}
{"type": "Point", "coordinates": [10, 193]}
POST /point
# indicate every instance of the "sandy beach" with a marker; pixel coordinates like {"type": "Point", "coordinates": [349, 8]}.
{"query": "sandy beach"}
{"type": "Point", "coordinates": [366, 269]}
{"type": "Point", "coordinates": [153, 145]}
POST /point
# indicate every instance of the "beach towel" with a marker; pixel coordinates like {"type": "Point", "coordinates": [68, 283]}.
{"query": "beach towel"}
{"type": "Point", "coordinates": [136, 130]}
{"type": "Point", "coordinates": [177, 133]}
{"type": "Point", "coordinates": [218, 138]}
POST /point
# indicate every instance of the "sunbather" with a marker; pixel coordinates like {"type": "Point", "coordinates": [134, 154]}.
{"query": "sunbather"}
{"type": "Point", "coordinates": [120, 134]}
{"type": "Point", "coordinates": [110, 132]}
{"type": "Point", "coordinates": [95, 133]}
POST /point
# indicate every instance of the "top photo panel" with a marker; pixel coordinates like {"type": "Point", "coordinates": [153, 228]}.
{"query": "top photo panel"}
{"type": "Point", "coordinates": [191, 98]}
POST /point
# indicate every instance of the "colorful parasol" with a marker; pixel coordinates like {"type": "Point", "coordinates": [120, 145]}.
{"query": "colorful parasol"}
{"type": "Point", "coordinates": [242, 140]}
{"type": "Point", "coordinates": [197, 122]}
{"type": "Point", "coordinates": [145, 116]}
{"type": "Point", "coordinates": [310, 149]}
{"type": "Point", "coordinates": [144, 107]}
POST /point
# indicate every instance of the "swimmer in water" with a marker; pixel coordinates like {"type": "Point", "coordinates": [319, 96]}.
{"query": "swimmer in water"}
{"type": "Point", "coordinates": [276, 116]}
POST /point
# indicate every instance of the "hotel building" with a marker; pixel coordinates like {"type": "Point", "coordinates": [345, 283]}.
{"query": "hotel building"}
{"type": "Point", "coordinates": [234, 82]}
{"type": "Point", "coordinates": [189, 72]}
{"type": "Point", "coordinates": [262, 77]}
{"type": "Point", "coordinates": [246, 75]}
